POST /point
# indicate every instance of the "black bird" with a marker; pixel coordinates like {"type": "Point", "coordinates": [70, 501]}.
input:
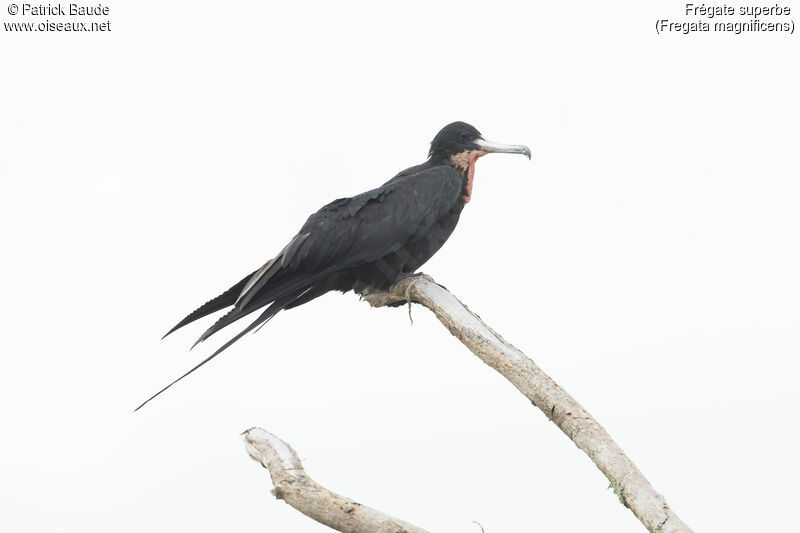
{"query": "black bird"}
{"type": "Point", "coordinates": [367, 241]}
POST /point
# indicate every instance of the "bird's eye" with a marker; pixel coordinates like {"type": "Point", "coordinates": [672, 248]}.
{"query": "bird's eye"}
{"type": "Point", "coordinates": [463, 136]}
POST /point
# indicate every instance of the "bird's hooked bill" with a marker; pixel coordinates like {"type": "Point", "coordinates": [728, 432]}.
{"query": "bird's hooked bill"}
{"type": "Point", "coordinates": [488, 146]}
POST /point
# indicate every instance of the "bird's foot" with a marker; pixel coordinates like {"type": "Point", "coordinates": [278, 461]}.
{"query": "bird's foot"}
{"type": "Point", "coordinates": [414, 277]}
{"type": "Point", "coordinates": [391, 298]}
{"type": "Point", "coordinates": [410, 279]}
{"type": "Point", "coordinates": [406, 275]}
{"type": "Point", "coordinates": [408, 300]}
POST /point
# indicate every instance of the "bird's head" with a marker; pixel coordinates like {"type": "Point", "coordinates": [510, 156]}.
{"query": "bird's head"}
{"type": "Point", "coordinates": [459, 138]}
{"type": "Point", "coordinates": [460, 145]}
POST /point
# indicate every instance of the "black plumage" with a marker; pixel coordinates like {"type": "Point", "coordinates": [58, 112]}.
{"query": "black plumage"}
{"type": "Point", "coordinates": [366, 241]}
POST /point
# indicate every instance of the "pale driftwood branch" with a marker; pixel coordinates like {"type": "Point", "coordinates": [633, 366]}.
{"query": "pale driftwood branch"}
{"type": "Point", "coordinates": [632, 488]}
{"type": "Point", "coordinates": [293, 485]}
{"type": "Point", "coordinates": [630, 485]}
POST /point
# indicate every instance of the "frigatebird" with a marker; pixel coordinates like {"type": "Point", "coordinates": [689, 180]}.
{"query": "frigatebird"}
{"type": "Point", "coordinates": [368, 241]}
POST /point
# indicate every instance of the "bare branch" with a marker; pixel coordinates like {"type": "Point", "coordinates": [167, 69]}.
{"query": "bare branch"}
{"type": "Point", "coordinates": [630, 485]}
{"type": "Point", "coordinates": [293, 485]}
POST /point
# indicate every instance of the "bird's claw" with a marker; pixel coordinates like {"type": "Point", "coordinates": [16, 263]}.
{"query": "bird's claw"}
{"type": "Point", "coordinates": [408, 301]}
{"type": "Point", "coordinates": [419, 275]}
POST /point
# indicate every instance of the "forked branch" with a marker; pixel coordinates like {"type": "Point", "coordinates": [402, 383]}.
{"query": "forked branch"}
{"type": "Point", "coordinates": [630, 485]}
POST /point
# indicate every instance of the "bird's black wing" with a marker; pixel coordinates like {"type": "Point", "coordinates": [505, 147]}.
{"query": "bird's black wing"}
{"type": "Point", "coordinates": [345, 233]}
{"type": "Point", "coordinates": [353, 231]}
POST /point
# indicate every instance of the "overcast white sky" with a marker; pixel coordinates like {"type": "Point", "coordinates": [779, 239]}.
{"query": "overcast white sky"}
{"type": "Point", "coordinates": [647, 259]}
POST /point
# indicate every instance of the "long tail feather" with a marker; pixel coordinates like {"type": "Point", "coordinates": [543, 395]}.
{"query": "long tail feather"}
{"type": "Point", "coordinates": [225, 320]}
{"type": "Point", "coordinates": [226, 299]}
{"type": "Point", "coordinates": [293, 287]}
{"type": "Point", "coordinates": [268, 313]}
